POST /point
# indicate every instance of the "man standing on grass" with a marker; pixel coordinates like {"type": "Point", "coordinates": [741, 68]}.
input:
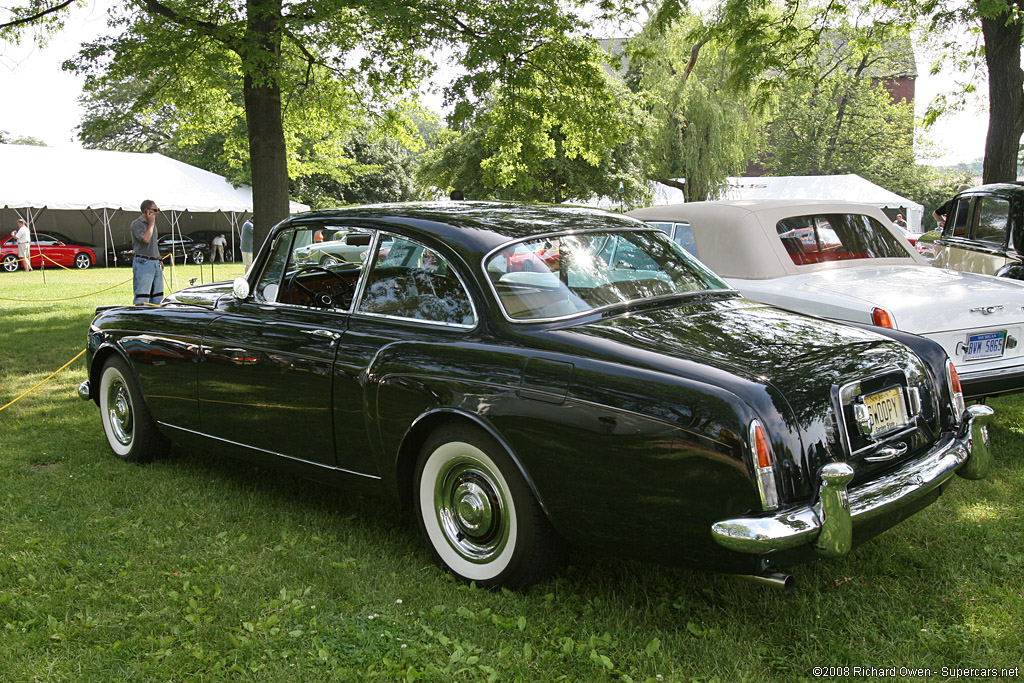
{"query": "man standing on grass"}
{"type": "Point", "coordinates": [247, 243]}
{"type": "Point", "coordinates": [24, 238]}
{"type": "Point", "coordinates": [147, 268]}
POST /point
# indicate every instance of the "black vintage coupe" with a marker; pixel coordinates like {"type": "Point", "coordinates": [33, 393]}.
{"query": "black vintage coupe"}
{"type": "Point", "coordinates": [621, 398]}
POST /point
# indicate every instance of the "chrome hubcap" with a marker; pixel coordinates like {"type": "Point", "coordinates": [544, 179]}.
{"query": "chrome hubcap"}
{"type": "Point", "coordinates": [471, 510]}
{"type": "Point", "coordinates": [119, 411]}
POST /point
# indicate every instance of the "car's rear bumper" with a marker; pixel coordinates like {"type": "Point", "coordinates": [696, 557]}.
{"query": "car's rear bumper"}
{"type": "Point", "coordinates": [991, 382]}
{"type": "Point", "coordinates": [828, 525]}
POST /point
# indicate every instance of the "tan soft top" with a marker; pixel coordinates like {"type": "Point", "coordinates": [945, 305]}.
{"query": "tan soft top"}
{"type": "Point", "coordinates": [738, 238]}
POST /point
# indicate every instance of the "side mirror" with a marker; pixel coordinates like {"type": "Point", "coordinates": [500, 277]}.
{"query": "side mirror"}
{"type": "Point", "coordinates": [240, 288]}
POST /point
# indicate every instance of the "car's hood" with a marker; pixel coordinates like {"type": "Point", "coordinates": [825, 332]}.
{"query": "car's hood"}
{"type": "Point", "coordinates": [200, 295]}
{"type": "Point", "coordinates": [923, 299]}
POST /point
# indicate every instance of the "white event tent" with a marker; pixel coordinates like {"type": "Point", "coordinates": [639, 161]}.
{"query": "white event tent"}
{"type": "Point", "coordinates": [77, 191]}
{"type": "Point", "coordinates": [849, 187]}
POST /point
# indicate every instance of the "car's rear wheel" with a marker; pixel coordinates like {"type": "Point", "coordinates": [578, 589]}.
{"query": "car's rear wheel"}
{"type": "Point", "coordinates": [130, 429]}
{"type": "Point", "coordinates": [82, 261]}
{"type": "Point", "coordinates": [198, 257]}
{"type": "Point", "coordinates": [10, 263]}
{"type": "Point", "coordinates": [479, 516]}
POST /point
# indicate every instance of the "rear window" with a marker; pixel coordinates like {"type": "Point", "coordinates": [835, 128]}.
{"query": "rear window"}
{"type": "Point", "coordinates": [822, 238]}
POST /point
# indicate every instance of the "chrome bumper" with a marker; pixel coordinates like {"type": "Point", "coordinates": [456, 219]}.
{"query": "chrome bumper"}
{"type": "Point", "coordinates": [83, 391]}
{"type": "Point", "coordinates": [828, 524]}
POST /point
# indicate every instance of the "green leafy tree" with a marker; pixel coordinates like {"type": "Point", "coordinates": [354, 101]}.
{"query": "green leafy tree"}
{"type": "Point", "coordinates": [1000, 24]}
{"type": "Point", "coordinates": [842, 118]}
{"type": "Point", "coordinates": [705, 120]}
{"type": "Point", "coordinates": [283, 54]}
{"type": "Point", "coordinates": [561, 133]}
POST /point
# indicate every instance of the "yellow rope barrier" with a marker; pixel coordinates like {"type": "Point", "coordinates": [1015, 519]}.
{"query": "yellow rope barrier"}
{"type": "Point", "coordinates": [52, 261]}
{"type": "Point", "coordinates": [43, 382]}
{"type": "Point", "coordinates": [81, 296]}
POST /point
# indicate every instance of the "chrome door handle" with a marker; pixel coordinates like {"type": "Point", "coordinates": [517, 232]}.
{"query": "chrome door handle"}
{"type": "Point", "coordinates": [887, 453]}
{"type": "Point", "coordinates": [323, 333]}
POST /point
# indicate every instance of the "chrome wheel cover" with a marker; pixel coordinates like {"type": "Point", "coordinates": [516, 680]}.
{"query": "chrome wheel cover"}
{"type": "Point", "coordinates": [120, 415]}
{"type": "Point", "coordinates": [471, 509]}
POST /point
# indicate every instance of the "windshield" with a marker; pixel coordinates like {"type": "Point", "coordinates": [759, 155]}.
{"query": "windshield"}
{"type": "Point", "coordinates": [837, 237]}
{"type": "Point", "coordinates": [561, 275]}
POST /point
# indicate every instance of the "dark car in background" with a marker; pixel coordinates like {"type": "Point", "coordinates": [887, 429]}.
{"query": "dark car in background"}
{"type": "Point", "coordinates": [183, 249]}
{"type": "Point", "coordinates": [47, 249]}
{"type": "Point", "coordinates": [621, 397]}
{"type": "Point", "coordinates": [983, 233]}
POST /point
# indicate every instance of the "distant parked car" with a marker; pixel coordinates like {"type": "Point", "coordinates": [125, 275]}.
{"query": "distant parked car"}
{"type": "Point", "coordinates": [73, 241]}
{"type": "Point", "coordinates": [871, 275]}
{"type": "Point", "coordinates": [47, 249]}
{"type": "Point", "coordinates": [184, 249]}
{"type": "Point", "coordinates": [984, 232]}
{"type": "Point", "coordinates": [339, 246]}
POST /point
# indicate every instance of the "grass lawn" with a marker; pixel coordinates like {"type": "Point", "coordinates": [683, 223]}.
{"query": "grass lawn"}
{"type": "Point", "coordinates": [203, 568]}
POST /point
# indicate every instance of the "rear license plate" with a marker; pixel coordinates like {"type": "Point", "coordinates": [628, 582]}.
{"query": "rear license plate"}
{"type": "Point", "coordinates": [887, 411]}
{"type": "Point", "coordinates": [987, 345]}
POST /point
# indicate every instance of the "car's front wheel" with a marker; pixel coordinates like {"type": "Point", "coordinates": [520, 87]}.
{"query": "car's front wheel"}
{"type": "Point", "coordinates": [479, 516]}
{"type": "Point", "coordinates": [10, 263]}
{"type": "Point", "coordinates": [130, 429]}
{"type": "Point", "coordinates": [82, 261]}
{"type": "Point", "coordinates": [198, 257]}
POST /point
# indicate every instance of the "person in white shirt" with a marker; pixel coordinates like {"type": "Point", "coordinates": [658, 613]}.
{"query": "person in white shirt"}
{"type": "Point", "coordinates": [24, 237]}
{"type": "Point", "coordinates": [219, 243]}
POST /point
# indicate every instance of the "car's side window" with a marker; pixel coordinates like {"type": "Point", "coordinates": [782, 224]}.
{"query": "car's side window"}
{"type": "Point", "coordinates": [410, 281]}
{"type": "Point", "coordinates": [993, 220]}
{"type": "Point", "coordinates": [268, 288]}
{"type": "Point", "coordinates": [682, 233]}
{"type": "Point", "coordinates": [957, 222]}
{"type": "Point", "coordinates": [315, 266]}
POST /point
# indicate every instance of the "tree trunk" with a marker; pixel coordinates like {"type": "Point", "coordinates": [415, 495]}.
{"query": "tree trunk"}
{"type": "Point", "coordinates": [1005, 97]}
{"type": "Point", "coordinates": [263, 117]}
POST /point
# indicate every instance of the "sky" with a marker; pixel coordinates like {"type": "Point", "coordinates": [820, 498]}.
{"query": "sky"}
{"type": "Point", "coordinates": [41, 100]}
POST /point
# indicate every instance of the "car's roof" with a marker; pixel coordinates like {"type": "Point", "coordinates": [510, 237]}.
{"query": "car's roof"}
{"type": "Point", "coordinates": [738, 238]}
{"type": "Point", "coordinates": [994, 188]}
{"type": "Point", "coordinates": [733, 209]}
{"type": "Point", "coordinates": [475, 227]}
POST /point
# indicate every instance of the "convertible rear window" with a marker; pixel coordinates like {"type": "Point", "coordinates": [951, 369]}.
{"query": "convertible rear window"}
{"type": "Point", "coordinates": [561, 275]}
{"type": "Point", "coordinates": [837, 237]}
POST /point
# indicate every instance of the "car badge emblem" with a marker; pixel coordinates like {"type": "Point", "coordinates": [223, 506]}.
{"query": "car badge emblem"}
{"type": "Point", "coordinates": [986, 310]}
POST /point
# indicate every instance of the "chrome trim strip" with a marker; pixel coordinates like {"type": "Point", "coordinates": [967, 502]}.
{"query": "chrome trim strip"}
{"type": "Point", "coordinates": [985, 374]}
{"type": "Point", "coordinates": [828, 524]}
{"type": "Point", "coordinates": [274, 453]}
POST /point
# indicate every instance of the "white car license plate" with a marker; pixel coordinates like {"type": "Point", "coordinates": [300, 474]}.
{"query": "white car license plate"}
{"type": "Point", "coordinates": [986, 345]}
{"type": "Point", "coordinates": [887, 411]}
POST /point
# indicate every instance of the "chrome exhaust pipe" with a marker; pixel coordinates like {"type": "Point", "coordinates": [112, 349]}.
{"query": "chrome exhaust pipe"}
{"type": "Point", "coordinates": [785, 582]}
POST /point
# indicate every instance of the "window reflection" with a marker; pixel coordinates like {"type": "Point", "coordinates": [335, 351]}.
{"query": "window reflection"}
{"type": "Point", "coordinates": [560, 275]}
{"type": "Point", "coordinates": [410, 281]}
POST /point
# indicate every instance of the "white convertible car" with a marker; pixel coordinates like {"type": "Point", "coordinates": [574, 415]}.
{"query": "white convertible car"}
{"type": "Point", "coordinates": [846, 261]}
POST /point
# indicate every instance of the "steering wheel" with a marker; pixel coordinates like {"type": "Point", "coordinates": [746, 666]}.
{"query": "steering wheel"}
{"type": "Point", "coordinates": [321, 299]}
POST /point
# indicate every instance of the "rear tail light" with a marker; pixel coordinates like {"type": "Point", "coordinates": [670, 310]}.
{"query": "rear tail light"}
{"type": "Point", "coordinates": [882, 318]}
{"type": "Point", "coordinates": [761, 455]}
{"type": "Point", "coordinates": [956, 392]}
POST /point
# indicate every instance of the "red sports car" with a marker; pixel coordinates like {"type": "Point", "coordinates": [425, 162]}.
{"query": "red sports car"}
{"type": "Point", "coordinates": [47, 248]}
{"type": "Point", "coordinates": [542, 260]}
